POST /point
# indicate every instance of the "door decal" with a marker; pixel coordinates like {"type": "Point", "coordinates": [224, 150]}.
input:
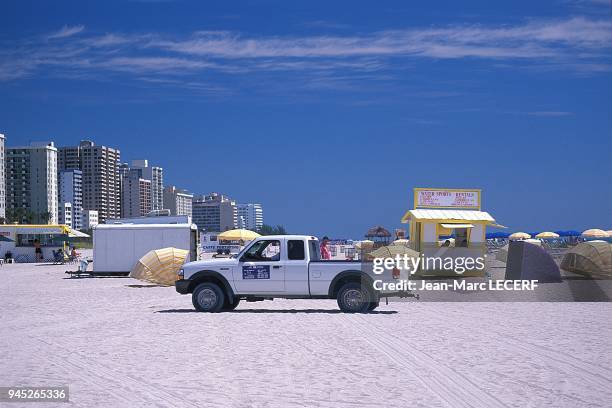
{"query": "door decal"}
{"type": "Point", "coordinates": [256, 272]}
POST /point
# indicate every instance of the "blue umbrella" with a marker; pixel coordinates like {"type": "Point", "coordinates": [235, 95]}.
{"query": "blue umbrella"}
{"type": "Point", "coordinates": [568, 233]}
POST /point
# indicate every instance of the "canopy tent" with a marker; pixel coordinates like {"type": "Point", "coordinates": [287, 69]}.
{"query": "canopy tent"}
{"type": "Point", "coordinates": [160, 266]}
{"type": "Point", "coordinates": [238, 235]}
{"type": "Point", "coordinates": [519, 235]}
{"type": "Point", "coordinates": [547, 235]}
{"type": "Point", "coordinates": [595, 233]}
{"type": "Point", "coordinates": [593, 258]}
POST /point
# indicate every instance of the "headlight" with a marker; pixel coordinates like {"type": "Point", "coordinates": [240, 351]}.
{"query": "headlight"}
{"type": "Point", "coordinates": [180, 275]}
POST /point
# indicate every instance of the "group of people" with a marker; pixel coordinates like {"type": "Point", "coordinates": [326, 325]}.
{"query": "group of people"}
{"type": "Point", "coordinates": [56, 254]}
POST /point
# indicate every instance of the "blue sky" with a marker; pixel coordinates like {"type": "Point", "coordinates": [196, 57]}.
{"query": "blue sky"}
{"type": "Point", "coordinates": [329, 113]}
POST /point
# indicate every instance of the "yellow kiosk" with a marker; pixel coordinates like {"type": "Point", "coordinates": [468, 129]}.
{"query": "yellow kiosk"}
{"type": "Point", "coordinates": [448, 223]}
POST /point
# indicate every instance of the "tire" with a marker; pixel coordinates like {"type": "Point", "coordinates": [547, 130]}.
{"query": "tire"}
{"type": "Point", "coordinates": [229, 305]}
{"type": "Point", "coordinates": [353, 298]}
{"type": "Point", "coordinates": [373, 305]}
{"type": "Point", "coordinates": [208, 297]}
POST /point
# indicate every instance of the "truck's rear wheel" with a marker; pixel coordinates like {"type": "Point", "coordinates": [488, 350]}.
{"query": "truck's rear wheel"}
{"type": "Point", "coordinates": [353, 298]}
{"type": "Point", "coordinates": [208, 297]}
{"type": "Point", "coordinates": [231, 304]}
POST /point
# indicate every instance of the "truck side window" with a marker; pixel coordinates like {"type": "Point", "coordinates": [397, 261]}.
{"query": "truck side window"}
{"type": "Point", "coordinates": [295, 250]}
{"type": "Point", "coordinates": [262, 251]}
{"type": "Point", "coordinates": [315, 250]}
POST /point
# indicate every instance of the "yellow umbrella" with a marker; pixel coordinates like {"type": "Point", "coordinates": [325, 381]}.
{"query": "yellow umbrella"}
{"type": "Point", "coordinates": [519, 235]}
{"type": "Point", "coordinates": [237, 235]}
{"type": "Point", "coordinates": [547, 235]}
{"type": "Point", "coordinates": [595, 233]}
{"type": "Point", "coordinates": [160, 266]}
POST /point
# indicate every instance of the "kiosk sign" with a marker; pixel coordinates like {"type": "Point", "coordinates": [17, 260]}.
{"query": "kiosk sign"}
{"type": "Point", "coordinates": [446, 198]}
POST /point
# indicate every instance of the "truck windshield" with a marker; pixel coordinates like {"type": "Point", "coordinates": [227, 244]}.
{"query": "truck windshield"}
{"type": "Point", "coordinates": [315, 251]}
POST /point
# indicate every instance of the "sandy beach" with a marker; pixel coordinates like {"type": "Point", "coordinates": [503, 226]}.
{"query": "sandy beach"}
{"type": "Point", "coordinates": [117, 342]}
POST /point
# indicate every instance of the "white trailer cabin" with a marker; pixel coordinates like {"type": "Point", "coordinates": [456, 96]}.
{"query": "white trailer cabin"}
{"type": "Point", "coordinates": [117, 247]}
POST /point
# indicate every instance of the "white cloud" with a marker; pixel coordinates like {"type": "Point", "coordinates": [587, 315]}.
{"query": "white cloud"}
{"type": "Point", "coordinates": [66, 31]}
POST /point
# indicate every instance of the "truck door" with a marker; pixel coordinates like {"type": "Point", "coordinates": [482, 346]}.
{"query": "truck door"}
{"type": "Point", "coordinates": [296, 268]}
{"type": "Point", "coordinates": [260, 269]}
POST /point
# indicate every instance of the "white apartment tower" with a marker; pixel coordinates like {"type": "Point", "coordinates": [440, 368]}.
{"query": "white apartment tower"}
{"type": "Point", "coordinates": [31, 182]}
{"type": "Point", "coordinates": [178, 201]}
{"type": "Point", "coordinates": [156, 176]}
{"type": "Point", "coordinates": [101, 182]}
{"type": "Point", "coordinates": [250, 216]}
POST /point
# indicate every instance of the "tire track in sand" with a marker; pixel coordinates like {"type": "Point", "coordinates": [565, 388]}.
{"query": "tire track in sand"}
{"type": "Point", "coordinates": [594, 374]}
{"type": "Point", "coordinates": [451, 387]}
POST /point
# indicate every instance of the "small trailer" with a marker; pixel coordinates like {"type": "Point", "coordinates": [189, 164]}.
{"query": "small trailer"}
{"type": "Point", "coordinates": [118, 247]}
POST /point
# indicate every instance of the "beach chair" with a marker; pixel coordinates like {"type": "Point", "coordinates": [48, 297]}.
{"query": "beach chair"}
{"type": "Point", "coordinates": [58, 257]}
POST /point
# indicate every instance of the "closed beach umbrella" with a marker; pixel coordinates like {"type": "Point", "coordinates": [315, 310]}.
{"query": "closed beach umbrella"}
{"type": "Point", "coordinates": [160, 266]}
{"type": "Point", "coordinates": [593, 258]}
{"type": "Point", "coordinates": [547, 235]}
{"type": "Point", "coordinates": [237, 235]}
{"type": "Point", "coordinates": [595, 233]}
{"type": "Point", "coordinates": [519, 235]}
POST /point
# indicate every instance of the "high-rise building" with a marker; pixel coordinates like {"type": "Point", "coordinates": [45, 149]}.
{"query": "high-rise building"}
{"type": "Point", "coordinates": [71, 191]}
{"type": "Point", "coordinates": [214, 213]}
{"type": "Point", "coordinates": [89, 219]}
{"type": "Point", "coordinates": [31, 182]}
{"type": "Point", "coordinates": [135, 195]}
{"type": "Point", "coordinates": [101, 183]}
{"type": "Point", "coordinates": [156, 176]}
{"type": "Point", "coordinates": [2, 178]}
{"type": "Point", "coordinates": [66, 214]}
{"type": "Point", "coordinates": [178, 201]}
{"type": "Point", "coordinates": [250, 216]}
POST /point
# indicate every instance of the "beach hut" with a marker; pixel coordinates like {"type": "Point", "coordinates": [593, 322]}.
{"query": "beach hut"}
{"type": "Point", "coordinates": [593, 258]}
{"type": "Point", "coordinates": [517, 236]}
{"type": "Point", "coordinates": [595, 233]}
{"type": "Point", "coordinates": [379, 235]}
{"type": "Point", "coordinates": [440, 215]}
{"type": "Point", "coordinates": [547, 235]}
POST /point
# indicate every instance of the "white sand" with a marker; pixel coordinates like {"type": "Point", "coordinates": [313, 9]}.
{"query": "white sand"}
{"type": "Point", "coordinates": [121, 346]}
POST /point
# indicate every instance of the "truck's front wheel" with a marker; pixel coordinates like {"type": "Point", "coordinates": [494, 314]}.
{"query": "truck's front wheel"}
{"type": "Point", "coordinates": [208, 297]}
{"type": "Point", "coordinates": [353, 298]}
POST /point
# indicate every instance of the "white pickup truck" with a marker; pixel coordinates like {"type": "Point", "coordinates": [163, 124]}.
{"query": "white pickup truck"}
{"type": "Point", "coordinates": [282, 266]}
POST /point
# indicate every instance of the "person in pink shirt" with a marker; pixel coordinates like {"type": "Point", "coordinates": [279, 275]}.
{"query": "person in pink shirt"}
{"type": "Point", "coordinates": [325, 254]}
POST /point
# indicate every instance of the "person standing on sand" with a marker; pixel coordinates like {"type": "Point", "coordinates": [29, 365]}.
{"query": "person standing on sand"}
{"type": "Point", "coordinates": [37, 250]}
{"type": "Point", "coordinates": [325, 254]}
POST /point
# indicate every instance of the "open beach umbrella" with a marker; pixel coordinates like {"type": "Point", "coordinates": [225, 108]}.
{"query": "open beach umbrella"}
{"type": "Point", "coordinates": [238, 235]}
{"type": "Point", "coordinates": [160, 266]}
{"type": "Point", "coordinates": [547, 235]}
{"type": "Point", "coordinates": [519, 235]}
{"type": "Point", "coordinates": [595, 233]}
{"type": "Point", "coordinates": [392, 251]}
